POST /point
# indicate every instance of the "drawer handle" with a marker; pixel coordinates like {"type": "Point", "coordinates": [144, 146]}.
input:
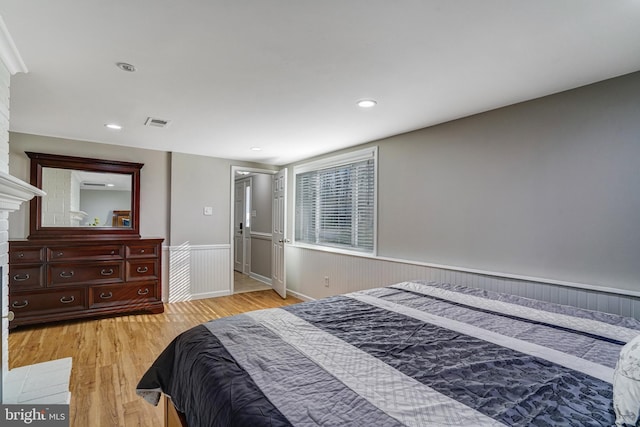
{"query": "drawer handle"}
{"type": "Point", "coordinates": [66, 300]}
{"type": "Point", "coordinates": [106, 296]}
{"type": "Point", "coordinates": [66, 275]}
{"type": "Point", "coordinates": [141, 251]}
{"type": "Point", "coordinates": [113, 252]}
{"type": "Point", "coordinates": [59, 253]}
{"type": "Point", "coordinates": [142, 269]}
{"type": "Point", "coordinates": [19, 278]}
{"type": "Point", "coordinates": [21, 255]}
{"type": "Point", "coordinates": [106, 272]}
{"type": "Point", "coordinates": [141, 292]}
{"type": "Point", "coordinates": [16, 304]}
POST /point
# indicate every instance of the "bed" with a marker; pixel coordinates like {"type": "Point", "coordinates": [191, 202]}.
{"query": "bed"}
{"type": "Point", "coordinates": [411, 354]}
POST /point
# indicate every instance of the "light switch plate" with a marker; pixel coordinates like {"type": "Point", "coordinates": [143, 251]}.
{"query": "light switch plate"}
{"type": "Point", "coordinates": [208, 210]}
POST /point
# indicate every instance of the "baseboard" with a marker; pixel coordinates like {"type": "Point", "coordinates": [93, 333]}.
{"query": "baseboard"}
{"type": "Point", "coordinates": [214, 294]}
{"type": "Point", "coordinates": [259, 278]}
{"type": "Point", "coordinates": [298, 295]}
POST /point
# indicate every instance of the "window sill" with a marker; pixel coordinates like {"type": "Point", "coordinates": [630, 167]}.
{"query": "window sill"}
{"type": "Point", "coordinates": [334, 250]}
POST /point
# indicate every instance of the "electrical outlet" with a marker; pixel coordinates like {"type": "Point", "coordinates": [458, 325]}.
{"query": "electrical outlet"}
{"type": "Point", "coordinates": [326, 281]}
{"type": "Point", "coordinates": [207, 210]}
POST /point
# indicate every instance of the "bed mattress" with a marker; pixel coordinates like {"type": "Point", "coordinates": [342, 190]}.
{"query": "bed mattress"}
{"type": "Point", "coordinates": [412, 354]}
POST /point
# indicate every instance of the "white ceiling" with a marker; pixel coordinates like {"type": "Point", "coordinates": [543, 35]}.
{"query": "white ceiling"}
{"type": "Point", "coordinates": [285, 75]}
{"type": "Point", "coordinates": [111, 181]}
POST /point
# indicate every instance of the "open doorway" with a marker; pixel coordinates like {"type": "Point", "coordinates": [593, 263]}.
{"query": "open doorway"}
{"type": "Point", "coordinates": [252, 229]}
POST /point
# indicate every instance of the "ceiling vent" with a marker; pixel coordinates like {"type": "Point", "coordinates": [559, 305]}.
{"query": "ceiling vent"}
{"type": "Point", "coordinates": [94, 184]}
{"type": "Point", "coordinates": [159, 123]}
{"type": "Point", "coordinates": [126, 67]}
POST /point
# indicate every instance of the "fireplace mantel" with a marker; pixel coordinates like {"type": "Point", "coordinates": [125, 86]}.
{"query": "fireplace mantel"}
{"type": "Point", "coordinates": [13, 192]}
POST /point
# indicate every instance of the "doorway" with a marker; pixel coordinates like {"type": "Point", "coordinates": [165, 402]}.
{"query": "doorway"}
{"type": "Point", "coordinates": [242, 226]}
{"type": "Point", "coordinates": [252, 229]}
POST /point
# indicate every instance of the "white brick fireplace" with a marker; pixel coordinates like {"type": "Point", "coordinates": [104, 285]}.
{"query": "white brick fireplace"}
{"type": "Point", "coordinates": [13, 191]}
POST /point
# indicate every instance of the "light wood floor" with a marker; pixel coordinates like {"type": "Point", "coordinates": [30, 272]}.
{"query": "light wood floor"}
{"type": "Point", "coordinates": [244, 283]}
{"type": "Point", "coordinates": [111, 355]}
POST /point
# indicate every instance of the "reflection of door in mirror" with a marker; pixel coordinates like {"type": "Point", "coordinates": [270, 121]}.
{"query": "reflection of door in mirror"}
{"type": "Point", "coordinates": [81, 198]}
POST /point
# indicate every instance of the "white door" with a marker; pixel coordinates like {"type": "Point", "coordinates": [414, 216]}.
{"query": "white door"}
{"type": "Point", "coordinates": [246, 229]}
{"type": "Point", "coordinates": [238, 226]}
{"type": "Point", "coordinates": [278, 234]}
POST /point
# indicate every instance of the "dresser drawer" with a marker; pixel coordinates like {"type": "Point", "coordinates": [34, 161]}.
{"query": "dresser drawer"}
{"type": "Point", "coordinates": [73, 278]}
{"type": "Point", "coordinates": [142, 269]}
{"type": "Point", "coordinates": [142, 250]}
{"type": "Point", "coordinates": [102, 296]}
{"type": "Point", "coordinates": [44, 302]}
{"type": "Point", "coordinates": [64, 274]}
{"type": "Point", "coordinates": [26, 255]}
{"type": "Point", "coordinates": [92, 252]}
{"type": "Point", "coordinates": [23, 277]}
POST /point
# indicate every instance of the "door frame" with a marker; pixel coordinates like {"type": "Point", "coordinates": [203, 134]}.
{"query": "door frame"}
{"type": "Point", "coordinates": [234, 169]}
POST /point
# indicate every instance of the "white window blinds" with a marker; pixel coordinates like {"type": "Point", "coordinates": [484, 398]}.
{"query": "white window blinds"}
{"type": "Point", "coordinates": [335, 204]}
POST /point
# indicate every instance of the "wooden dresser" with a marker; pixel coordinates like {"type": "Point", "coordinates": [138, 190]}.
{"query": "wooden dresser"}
{"type": "Point", "coordinates": [71, 279]}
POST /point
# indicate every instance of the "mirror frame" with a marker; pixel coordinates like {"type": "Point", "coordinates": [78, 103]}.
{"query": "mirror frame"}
{"type": "Point", "coordinates": [40, 160]}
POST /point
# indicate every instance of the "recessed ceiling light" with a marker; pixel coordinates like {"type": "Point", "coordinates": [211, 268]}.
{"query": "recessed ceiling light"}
{"type": "Point", "coordinates": [367, 103]}
{"type": "Point", "coordinates": [256, 149]}
{"type": "Point", "coordinates": [125, 67]}
{"type": "Point", "coordinates": [113, 126]}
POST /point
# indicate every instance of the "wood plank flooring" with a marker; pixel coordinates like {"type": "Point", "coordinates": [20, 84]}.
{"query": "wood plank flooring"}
{"type": "Point", "coordinates": [110, 355]}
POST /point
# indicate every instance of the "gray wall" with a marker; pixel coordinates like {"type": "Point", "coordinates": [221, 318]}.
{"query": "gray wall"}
{"type": "Point", "coordinates": [548, 188]}
{"type": "Point", "coordinates": [102, 203]}
{"type": "Point", "coordinates": [196, 182]}
{"type": "Point", "coordinates": [174, 187]}
{"type": "Point", "coordinates": [154, 177]}
{"type": "Point", "coordinates": [261, 257]}
{"type": "Point", "coordinates": [261, 201]}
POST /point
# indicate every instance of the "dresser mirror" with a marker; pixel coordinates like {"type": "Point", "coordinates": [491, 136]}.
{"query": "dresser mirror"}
{"type": "Point", "coordinates": [86, 197]}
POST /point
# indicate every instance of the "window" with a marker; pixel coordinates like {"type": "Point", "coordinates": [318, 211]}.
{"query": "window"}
{"type": "Point", "coordinates": [335, 202]}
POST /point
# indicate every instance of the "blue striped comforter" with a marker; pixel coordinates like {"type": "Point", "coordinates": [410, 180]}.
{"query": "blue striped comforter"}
{"type": "Point", "coordinates": [412, 354]}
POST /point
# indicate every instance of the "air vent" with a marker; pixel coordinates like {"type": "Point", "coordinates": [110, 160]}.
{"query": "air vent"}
{"type": "Point", "coordinates": [93, 184]}
{"type": "Point", "coordinates": [126, 67]}
{"type": "Point", "coordinates": [159, 123]}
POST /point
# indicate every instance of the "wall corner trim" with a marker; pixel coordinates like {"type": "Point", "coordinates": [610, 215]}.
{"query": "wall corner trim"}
{"type": "Point", "coordinates": [9, 52]}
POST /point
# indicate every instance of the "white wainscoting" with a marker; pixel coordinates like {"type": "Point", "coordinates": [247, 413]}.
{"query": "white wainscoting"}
{"type": "Point", "coordinates": [198, 271]}
{"type": "Point", "coordinates": [307, 268]}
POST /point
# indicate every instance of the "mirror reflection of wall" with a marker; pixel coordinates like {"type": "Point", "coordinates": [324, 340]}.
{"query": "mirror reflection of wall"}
{"type": "Point", "coordinates": [99, 206]}
{"type": "Point", "coordinates": [84, 199]}
{"type": "Point", "coordinates": [61, 205]}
